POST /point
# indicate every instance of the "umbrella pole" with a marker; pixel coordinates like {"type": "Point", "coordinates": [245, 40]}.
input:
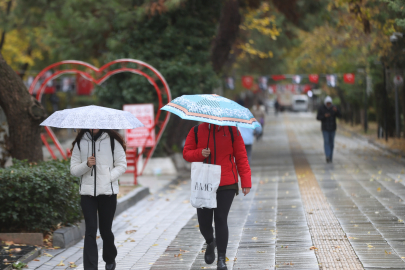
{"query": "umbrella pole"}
{"type": "Point", "coordinates": [92, 150]}
{"type": "Point", "coordinates": [209, 133]}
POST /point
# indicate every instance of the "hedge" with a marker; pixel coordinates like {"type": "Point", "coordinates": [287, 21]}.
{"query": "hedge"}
{"type": "Point", "coordinates": [38, 197]}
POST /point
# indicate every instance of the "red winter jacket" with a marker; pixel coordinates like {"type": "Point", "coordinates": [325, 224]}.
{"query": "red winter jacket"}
{"type": "Point", "coordinates": [222, 152]}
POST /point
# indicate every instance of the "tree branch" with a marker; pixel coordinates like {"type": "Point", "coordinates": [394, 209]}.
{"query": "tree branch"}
{"type": "Point", "coordinates": [3, 35]}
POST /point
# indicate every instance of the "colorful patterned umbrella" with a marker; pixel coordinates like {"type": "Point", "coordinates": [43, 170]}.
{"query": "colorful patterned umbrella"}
{"type": "Point", "coordinates": [212, 109]}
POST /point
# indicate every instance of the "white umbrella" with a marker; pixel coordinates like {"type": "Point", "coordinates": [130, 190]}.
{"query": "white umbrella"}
{"type": "Point", "coordinates": [92, 117]}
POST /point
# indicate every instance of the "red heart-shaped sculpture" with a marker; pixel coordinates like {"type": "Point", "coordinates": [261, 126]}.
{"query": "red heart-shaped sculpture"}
{"type": "Point", "coordinates": [102, 74]}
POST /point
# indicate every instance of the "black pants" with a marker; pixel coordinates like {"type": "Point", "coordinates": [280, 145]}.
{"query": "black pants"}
{"type": "Point", "coordinates": [224, 202]}
{"type": "Point", "coordinates": [105, 205]}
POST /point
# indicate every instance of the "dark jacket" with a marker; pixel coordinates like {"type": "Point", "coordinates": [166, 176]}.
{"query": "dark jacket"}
{"type": "Point", "coordinates": [232, 157]}
{"type": "Point", "coordinates": [328, 123]}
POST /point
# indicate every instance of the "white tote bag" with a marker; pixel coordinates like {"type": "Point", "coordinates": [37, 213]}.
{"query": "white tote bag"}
{"type": "Point", "coordinates": [205, 179]}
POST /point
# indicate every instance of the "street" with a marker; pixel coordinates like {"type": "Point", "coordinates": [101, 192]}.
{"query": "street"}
{"type": "Point", "coordinates": [302, 213]}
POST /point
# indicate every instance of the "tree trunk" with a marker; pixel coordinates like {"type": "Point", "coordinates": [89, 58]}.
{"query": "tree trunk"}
{"type": "Point", "coordinates": [24, 114]}
{"type": "Point", "coordinates": [403, 106]}
{"type": "Point", "coordinates": [227, 32]}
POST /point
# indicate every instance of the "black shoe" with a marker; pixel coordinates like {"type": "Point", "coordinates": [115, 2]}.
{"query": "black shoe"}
{"type": "Point", "coordinates": [221, 265]}
{"type": "Point", "coordinates": [110, 266]}
{"type": "Point", "coordinates": [327, 160]}
{"type": "Point", "coordinates": [209, 256]}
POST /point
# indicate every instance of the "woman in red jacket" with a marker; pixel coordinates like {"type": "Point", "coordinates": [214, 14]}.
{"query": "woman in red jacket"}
{"type": "Point", "coordinates": [226, 148]}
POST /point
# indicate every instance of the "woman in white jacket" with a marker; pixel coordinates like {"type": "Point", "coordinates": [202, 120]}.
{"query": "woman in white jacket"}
{"type": "Point", "coordinates": [98, 189]}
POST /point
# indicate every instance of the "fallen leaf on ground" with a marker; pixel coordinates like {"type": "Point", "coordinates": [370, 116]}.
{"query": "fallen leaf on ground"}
{"type": "Point", "coordinates": [254, 238]}
{"type": "Point", "coordinates": [130, 231]}
{"type": "Point", "coordinates": [177, 255]}
{"type": "Point", "coordinates": [369, 246]}
{"type": "Point", "coordinates": [72, 265]}
{"type": "Point", "coordinates": [378, 189]}
{"type": "Point", "coordinates": [61, 264]}
{"type": "Point", "coordinates": [36, 260]}
{"type": "Point", "coordinates": [197, 226]}
{"type": "Point", "coordinates": [312, 248]}
{"type": "Point", "coordinates": [226, 259]}
{"type": "Point", "coordinates": [48, 255]}
{"type": "Point", "coordinates": [154, 245]}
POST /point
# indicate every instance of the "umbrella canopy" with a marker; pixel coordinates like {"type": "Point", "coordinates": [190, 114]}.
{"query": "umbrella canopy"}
{"type": "Point", "coordinates": [212, 109]}
{"type": "Point", "coordinates": [92, 117]}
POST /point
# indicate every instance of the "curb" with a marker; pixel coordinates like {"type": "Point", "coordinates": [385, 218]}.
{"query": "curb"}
{"type": "Point", "coordinates": [69, 236]}
{"type": "Point", "coordinates": [374, 143]}
{"type": "Point", "coordinates": [27, 257]}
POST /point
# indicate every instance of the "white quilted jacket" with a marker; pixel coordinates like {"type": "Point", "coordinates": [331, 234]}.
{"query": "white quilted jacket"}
{"type": "Point", "coordinates": [105, 179]}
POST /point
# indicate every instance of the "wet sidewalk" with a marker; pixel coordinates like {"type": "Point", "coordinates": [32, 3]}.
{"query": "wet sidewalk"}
{"type": "Point", "coordinates": [301, 213]}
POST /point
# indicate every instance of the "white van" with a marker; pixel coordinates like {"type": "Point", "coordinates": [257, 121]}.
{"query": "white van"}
{"type": "Point", "coordinates": [299, 103]}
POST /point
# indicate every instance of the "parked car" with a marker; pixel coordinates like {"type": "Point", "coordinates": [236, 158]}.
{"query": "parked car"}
{"type": "Point", "coordinates": [299, 103]}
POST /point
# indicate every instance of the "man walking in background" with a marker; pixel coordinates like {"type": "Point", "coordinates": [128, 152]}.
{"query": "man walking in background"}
{"type": "Point", "coordinates": [327, 115]}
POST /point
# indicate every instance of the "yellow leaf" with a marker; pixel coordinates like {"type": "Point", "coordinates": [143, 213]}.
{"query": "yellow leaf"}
{"type": "Point", "coordinates": [378, 189]}
{"type": "Point", "coordinates": [254, 238]}
{"type": "Point", "coordinates": [369, 246]}
{"type": "Point", "coordinates": [48, 255]}
{"type": "Point", "coordinates": [61, 264]}
{"type": "Point", "coordinates": [226, 260]}
{"type": "Point", "coordinates": [154, 245]}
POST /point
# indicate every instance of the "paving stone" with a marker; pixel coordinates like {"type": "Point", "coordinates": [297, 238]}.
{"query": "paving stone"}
{"type": "Point", "coordinates": [351, 210]}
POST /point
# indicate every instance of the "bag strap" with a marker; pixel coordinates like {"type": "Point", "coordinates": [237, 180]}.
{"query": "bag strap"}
{"type": "Point", "coordinates": [196, 134]}
{"type": "Point", "coordinates": [230, 130]}
{"type": "Point", "coordinates": [112, 143]}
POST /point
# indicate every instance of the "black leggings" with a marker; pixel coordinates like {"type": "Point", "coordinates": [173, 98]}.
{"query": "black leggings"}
{"type": "Point", "coordinates": [105, 206]}
{"type": "Point", "coordinates": [224, 202]}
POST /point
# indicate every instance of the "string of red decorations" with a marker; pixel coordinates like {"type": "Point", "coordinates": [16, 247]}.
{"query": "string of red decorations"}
{"type": "Point", "coordinates": [248, 81]}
